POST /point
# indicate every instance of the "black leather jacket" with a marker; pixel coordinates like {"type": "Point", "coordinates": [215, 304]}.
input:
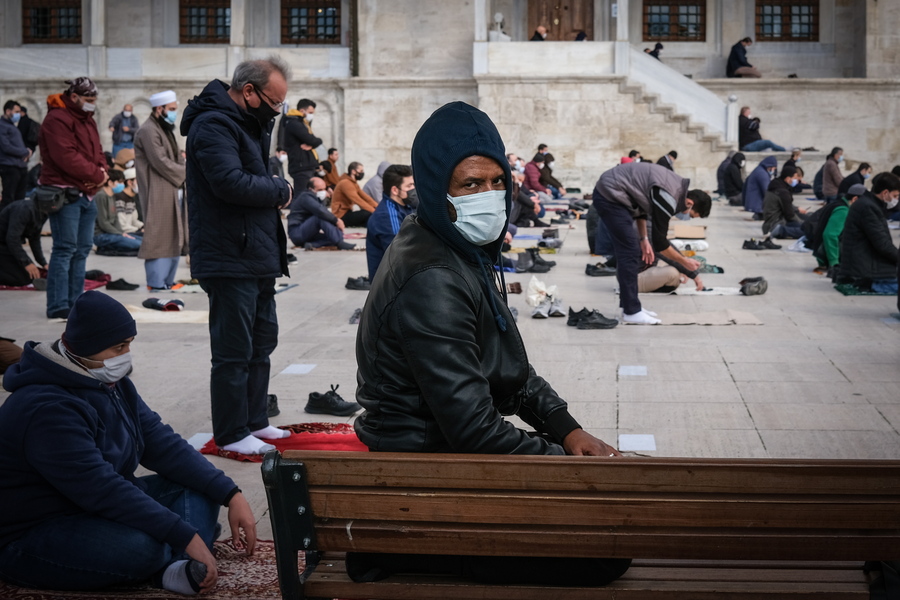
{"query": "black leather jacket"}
{"type": "Point", "coordinates": [435, 372]}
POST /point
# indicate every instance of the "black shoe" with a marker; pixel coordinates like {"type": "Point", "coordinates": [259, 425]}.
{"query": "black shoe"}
{"type": "Point", "coordinates": [526, 264]}
{"type": "Point", "coordinates": [575, 317]}
{"type": "Point", "coordinates": [330, 403]}
{"type": "Point", "coordinates": [358, 283]}
{"type": "Point", "coordinates": [757, 216]}
{"type": "Point", "coordinates": [768, 244]}
{"type": "Point", "coordinates": [290, 257]}
{"type": "Point", "coordinates": [342, 245]}
{"type": "Point", "coordinates": [559, 222]}
{"type": "Point", "coordinates": [752, 244]}
{"type": "Point", "coordinates": [550, 233]}
{"type": "Point", "coordinates": [750, 280]}
{"type": "Point", "coordinates": [121, 284]}
{"type": "Point", "coordinates": [272, 409]}
{"type": "Point", "coordinates": [755, 288]}
{"type": "Point", "coordinates": [59, 314]}
{"type": "Point", "coordinates": [94, 274]}
{"type": "Point", "coordinates": [596, 321]}
{"type": "Point", "coordinates": [598, 271]}
{"type": "Point", "coordinates": [538, 259]}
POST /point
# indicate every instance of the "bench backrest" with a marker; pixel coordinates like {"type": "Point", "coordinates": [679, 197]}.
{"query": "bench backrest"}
{"type": "Point", "coordinates": [820, 510]}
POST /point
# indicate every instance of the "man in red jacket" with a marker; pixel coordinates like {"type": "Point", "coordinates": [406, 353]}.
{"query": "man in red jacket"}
{"type": "Point", "coordinates": [72, 159]}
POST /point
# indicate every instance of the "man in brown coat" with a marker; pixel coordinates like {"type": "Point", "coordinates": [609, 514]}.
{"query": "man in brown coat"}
{"type": "Point", "coordinates": [160, 175]}
{"type": "Point", "coordinates": [348, 194]}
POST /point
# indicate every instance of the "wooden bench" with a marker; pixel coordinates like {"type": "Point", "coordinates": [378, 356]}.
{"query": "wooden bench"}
{"type": "Point", "coordinates": [697, 528]}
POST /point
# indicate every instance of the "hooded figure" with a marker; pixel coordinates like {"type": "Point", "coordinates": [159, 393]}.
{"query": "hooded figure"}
{"type": "Point", "coordinates": [757, 183]}
{"type": "Point", "coordinates": [373, 186]}
{"type": "Point", "coordinates": [734, 179]}
{"type": "Point", "coordinates": [720, 172]}
{"type": "Point", "coordinates": [440, 358]}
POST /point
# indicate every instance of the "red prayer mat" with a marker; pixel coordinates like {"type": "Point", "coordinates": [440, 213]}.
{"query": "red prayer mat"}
{"type": "Point", "coordinates": [305, 436]}
{"type": "Point", "coordinates": [240, 576]}
{"type": "Point", "coordinates": [89, 284]}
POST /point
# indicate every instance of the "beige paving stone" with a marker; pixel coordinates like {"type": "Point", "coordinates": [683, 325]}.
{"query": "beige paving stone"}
{"type": "Point", "coordinates": [676, 371]}
{"type": "Point", "coordinates": [891, 412]}
{"type": "Point", "coordinates": [823, 371]}
{"type": "Point", "coordinates": [871, 372]}
{"type": "Point", "coordinates": [655, 416]}
{"type": "Point", "coordinates": [879, 393]}
{"type": "Point", "coordinates": [677, 391]}
{"type": "Point", "coordinates": [705, 443]}
{"type": "Point", "coordinates": [595, 415]}
{"type": "Point", "coordinates": [832, 444]}
{"type": "Point", "coordinates": [809, 392]}
{"type": "Point", "coordinates": [820, 417]}
{"type": "Point", "coordinates": [766, 353]}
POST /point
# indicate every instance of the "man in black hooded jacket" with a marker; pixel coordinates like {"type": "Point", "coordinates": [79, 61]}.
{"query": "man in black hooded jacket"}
{"type": "Point", "coordinates": [237, 242]}
{"type": "Point", "coordinates": [440, 358]}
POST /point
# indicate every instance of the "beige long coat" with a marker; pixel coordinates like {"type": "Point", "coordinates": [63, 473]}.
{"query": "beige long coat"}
{"type": "Point", "coordinates": [160, 174]}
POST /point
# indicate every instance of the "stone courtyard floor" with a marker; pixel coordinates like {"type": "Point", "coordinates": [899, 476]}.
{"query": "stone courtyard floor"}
{"type": "Point", "coordinates": [818, 379]}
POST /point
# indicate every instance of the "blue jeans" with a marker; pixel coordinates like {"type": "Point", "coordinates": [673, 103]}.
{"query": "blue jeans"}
{"type": "Point", "coordinates": [317, 232]}
{"type": "Point", "coordinates": [554, 191]}
{"type": "Point", "coordinates": [792, 230]}
{"type": "Point", "coordinates": [115, 241]}
{"type": "Point", "coordinates": [160, 272]}
{"type": "Point", "coordinates": [884, 286]}
{"type": "Point", "coordinates": [243, 332]}
{"type": "Point", "coordinates": [73, 237]}
{"type": "Point", "coordinates": [123, 145]}
{"type": "Point", "coordinates": [85, 552]}
{"type": "Point", "coordinates": [760, 145]}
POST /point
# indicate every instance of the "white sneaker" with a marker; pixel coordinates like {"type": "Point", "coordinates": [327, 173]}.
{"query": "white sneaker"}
{"type": "Point", "coordinates": [644, 310]}
{"type": "Point", "coordinates": [641, 318]}
{"type": "Point", "coordinates": [542, 310]}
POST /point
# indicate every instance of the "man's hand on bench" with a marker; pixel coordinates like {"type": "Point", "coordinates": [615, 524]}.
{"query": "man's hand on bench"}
{"type": "Point", "coordinates": [240, 517]}
{"type": "Point", "coordinates": [580, 443]}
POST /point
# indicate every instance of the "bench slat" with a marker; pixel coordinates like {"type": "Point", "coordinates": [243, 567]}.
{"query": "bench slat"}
{"type": "Point", "coordinates": [624, 542]}
{"type": "Point", "coordinates": [561, 473]}
{"type": "Point", "coordinates": [606, 509]}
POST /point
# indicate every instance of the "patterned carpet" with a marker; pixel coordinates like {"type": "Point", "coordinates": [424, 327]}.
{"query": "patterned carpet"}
{"type": "Point", "coordinates": [240, 576]}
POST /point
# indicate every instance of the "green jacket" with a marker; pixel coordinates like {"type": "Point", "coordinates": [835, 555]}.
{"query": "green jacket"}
{"type": "Point", "coordinates": [831, 237]}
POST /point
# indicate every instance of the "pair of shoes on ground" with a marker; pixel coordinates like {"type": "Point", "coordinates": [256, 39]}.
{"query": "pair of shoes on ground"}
{"type": "Point", "coordinates": [121, 284]}
{"type": "Point", "coordinates": [599, 270]}
{"type": "Point", "coordinates": [342, 245]}
{"type": "Point", "coordinates": [361, 283]}
{"type": "Point", "coordinates": [531, 261]}
{"type": "Point", "coordinates": [589, 319]}
{"type": "Point", "coordinates": [642, 317]}
{"type": "Point", "coordinates": [163, 305]}
{"type": "Point", "coordinates": [550, 243]}
{"type": "Point", "coordinates": [766, 244]}
{"type": "Point", "coordinates": [549, 307]}
{"type": "Point", "coordinates": [754, 286]}
{"type": "Point", "coordinates": [63, 313]}
{"type": "Point", "coordinates": [330, 403]}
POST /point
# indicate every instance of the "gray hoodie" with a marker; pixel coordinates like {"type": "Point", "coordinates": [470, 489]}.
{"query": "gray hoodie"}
{"type": "Point", "coordinates": [375, 187]}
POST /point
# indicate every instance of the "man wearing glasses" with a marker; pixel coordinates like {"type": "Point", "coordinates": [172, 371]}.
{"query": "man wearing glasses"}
{"type": "Point", "coordinates": [72, 161]}
{"type": "Point", "coordinates": [237, 242]}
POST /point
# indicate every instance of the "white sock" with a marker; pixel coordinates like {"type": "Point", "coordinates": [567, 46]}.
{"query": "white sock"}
{"type": "Point", "coordinates": [184, 577]}
{"type": "Point", "coordinates": [650, 312]}
{"type": "Point", "coordinates": [249, 445]}
{"type": "Point", "coordinates": [270, 433]}
{"type": "Point", "coordinates": [641, 318]}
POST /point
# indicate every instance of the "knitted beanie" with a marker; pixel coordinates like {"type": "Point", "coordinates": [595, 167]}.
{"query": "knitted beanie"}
{"type": "Point", "coordinates": [97, 322]}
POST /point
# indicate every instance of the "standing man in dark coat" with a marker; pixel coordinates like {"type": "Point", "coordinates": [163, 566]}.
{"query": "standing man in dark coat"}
{"type": "Point", "coordinates": [737, 61]}
{"type": "Point", "coordinates": [14, 155]}
{"type": "Point", "coordinates": [29, 128]}
{"type": "Point", "coordinates": [124, 127]}
{"type": "Point", "coordinates": [301, 143]}
{"type": "Point", "coordinates": [237, 242]}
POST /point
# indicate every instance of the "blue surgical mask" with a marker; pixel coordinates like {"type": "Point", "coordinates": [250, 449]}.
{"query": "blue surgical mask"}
{"type": "Point", "coordinates": [118, 188]}
{"type": "Point", "coordinates": [867, 175]}
{"type": "Point", "coordinates": [171, 116]}
{"type": "Point", "coordinates": [794, 182]}
{"type": "Point", "coordinates": [15, 117]}
{"type": "Point", "coordinates": [841, 159]}
{"type": "Point", "coordinates": [480, 217]}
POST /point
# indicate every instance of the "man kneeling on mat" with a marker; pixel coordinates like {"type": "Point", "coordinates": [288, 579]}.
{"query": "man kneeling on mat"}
{"type": "Point", "coordinates": [75, 516]}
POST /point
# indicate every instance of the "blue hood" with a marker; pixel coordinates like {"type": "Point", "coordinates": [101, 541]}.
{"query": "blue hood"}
{"type": "Point", "coordinates": [768, 162]}
{"type": "Point", "coordinates": [452, 133]}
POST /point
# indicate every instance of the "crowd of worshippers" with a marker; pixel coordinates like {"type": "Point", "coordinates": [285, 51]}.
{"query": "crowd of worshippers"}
{"type": "Point", "coordinates": [848, 234]}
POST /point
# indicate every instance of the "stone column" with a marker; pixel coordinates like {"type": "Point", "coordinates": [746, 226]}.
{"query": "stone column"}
{"type": "Point", "coordinates": [97, 41]}
{"type": "Point", "coordinates": [622, 21]}
{"type": "Point", "coordinates": [235, 50]}
{"type": "Point", "coordinates": [483, 20]}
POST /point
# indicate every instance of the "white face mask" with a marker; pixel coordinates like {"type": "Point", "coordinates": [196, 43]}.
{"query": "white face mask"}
{"type": "Point", "coordinates": [134, 187]}
{"type": "Point", "coordinates": [88, 107]}
{"type": "Point", "coordinates": [480, 217]}
{"type": "Point", "coordinates": [126, 113]}
{"type": "Point", "coordinates": [309, 117]}
{"type": "Point", "coordinates": [638, 159]}
{"type": "Point", "coordinates": [282, 158]}
{"type": "Point", "coordinates": [322, 194]}
{"type": "Point", "coordinates": [743, 162]}
{"type": "Point", "coordinates": [893, 202]}
{"type": "Point", "coordinates": [796, 160]}
{"type": "Point", "coordinates": [113, 369]}
{"type": "Point", "coordinates": [551, 163]}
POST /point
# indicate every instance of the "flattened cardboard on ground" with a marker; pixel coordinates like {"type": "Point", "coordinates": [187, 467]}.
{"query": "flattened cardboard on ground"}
{"type": "Point", "coordinates": [147, 315]}
{"type": "Point", "coordinates": [687, 232]}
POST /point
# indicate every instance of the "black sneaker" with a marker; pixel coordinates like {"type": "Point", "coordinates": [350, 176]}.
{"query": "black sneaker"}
{"type": "Point", "coordinates": [575, 317]}
{"type": "Point", "coordinates": [559, 221]}
{"type": "Point", "coordinates": [290, 258]}
{"type": "Point", "coordinates": [768, 244]}
{"type": "Point", "coordinates": [59, 314]}
{"type": "Point", "coordinates": [358, 283]}
{"type": "Point", "coordinates": [599, 271]}
{"type": "Point", "coordinates": [596, 321]}
{"type": "Point", "coordinates": [752, 244]}
{"type": "Point", "coordinates": [272, 409]}
{"type": "Point", "coordinates": [330, 403]}
{"type": "Point", "coordinates": [342, 245]}
{"type": "Point", "coordinates": [121, 284]}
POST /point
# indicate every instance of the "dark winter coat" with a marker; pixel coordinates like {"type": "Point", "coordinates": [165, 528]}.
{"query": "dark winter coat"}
{"type": "Point", "coordinates": [298, 131]}
{"type": "Point", "coordinates": [21, 221]}
{"type": "Point", "coordinates": [307, 205]}
{"type": "Point", "coordinates": [736, 59]}
{"type": "Point", "coordinates": [13, 150]}
{"type": "Point", "coordinates": [748, 131]}
{"type": "Point", "coordinates": [850, 180]}
{"type": "Point", "coordinates": [734, 176]}
{"type": "Point", "coordinates": [233, 214]}
{"type": "Point", "coordinates": [867, 251]}
{"type": "Point", "coordinates": [757, 183]}
{"type": "Point", "coordinates": [720, 172]}
{"type": "Point", "coordinates": [778, 206]}
{"type": "Point", "coordinates": [440, 358]}
{"type": "Point", "coordinates": [70, 444]}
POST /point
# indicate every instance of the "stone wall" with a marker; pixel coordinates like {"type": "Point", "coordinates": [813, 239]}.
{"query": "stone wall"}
{"type": "Point", "coordinates": [882, 38]}
{"type": "Point", "coordinates": [859, 115]}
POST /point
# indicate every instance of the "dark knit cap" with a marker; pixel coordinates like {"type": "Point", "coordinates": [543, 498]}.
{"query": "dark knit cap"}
{"type": "Point", "coordinates": [97, 322]}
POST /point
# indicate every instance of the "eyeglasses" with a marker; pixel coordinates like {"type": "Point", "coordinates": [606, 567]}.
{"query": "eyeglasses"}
{"type": "Point", "coordinates": [276, 105]}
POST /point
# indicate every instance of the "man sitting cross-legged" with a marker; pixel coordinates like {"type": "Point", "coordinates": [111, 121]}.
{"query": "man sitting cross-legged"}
{"type": "Point", "coordinates": [310, 224]}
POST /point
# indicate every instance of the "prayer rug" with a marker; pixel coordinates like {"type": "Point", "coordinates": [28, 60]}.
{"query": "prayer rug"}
{"type": "Point", "coordinates": [848, 289]}
{"type": "Point", "coordinates": [240, 576]}
{"type": "Point", "coordinates": [306, 436]}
